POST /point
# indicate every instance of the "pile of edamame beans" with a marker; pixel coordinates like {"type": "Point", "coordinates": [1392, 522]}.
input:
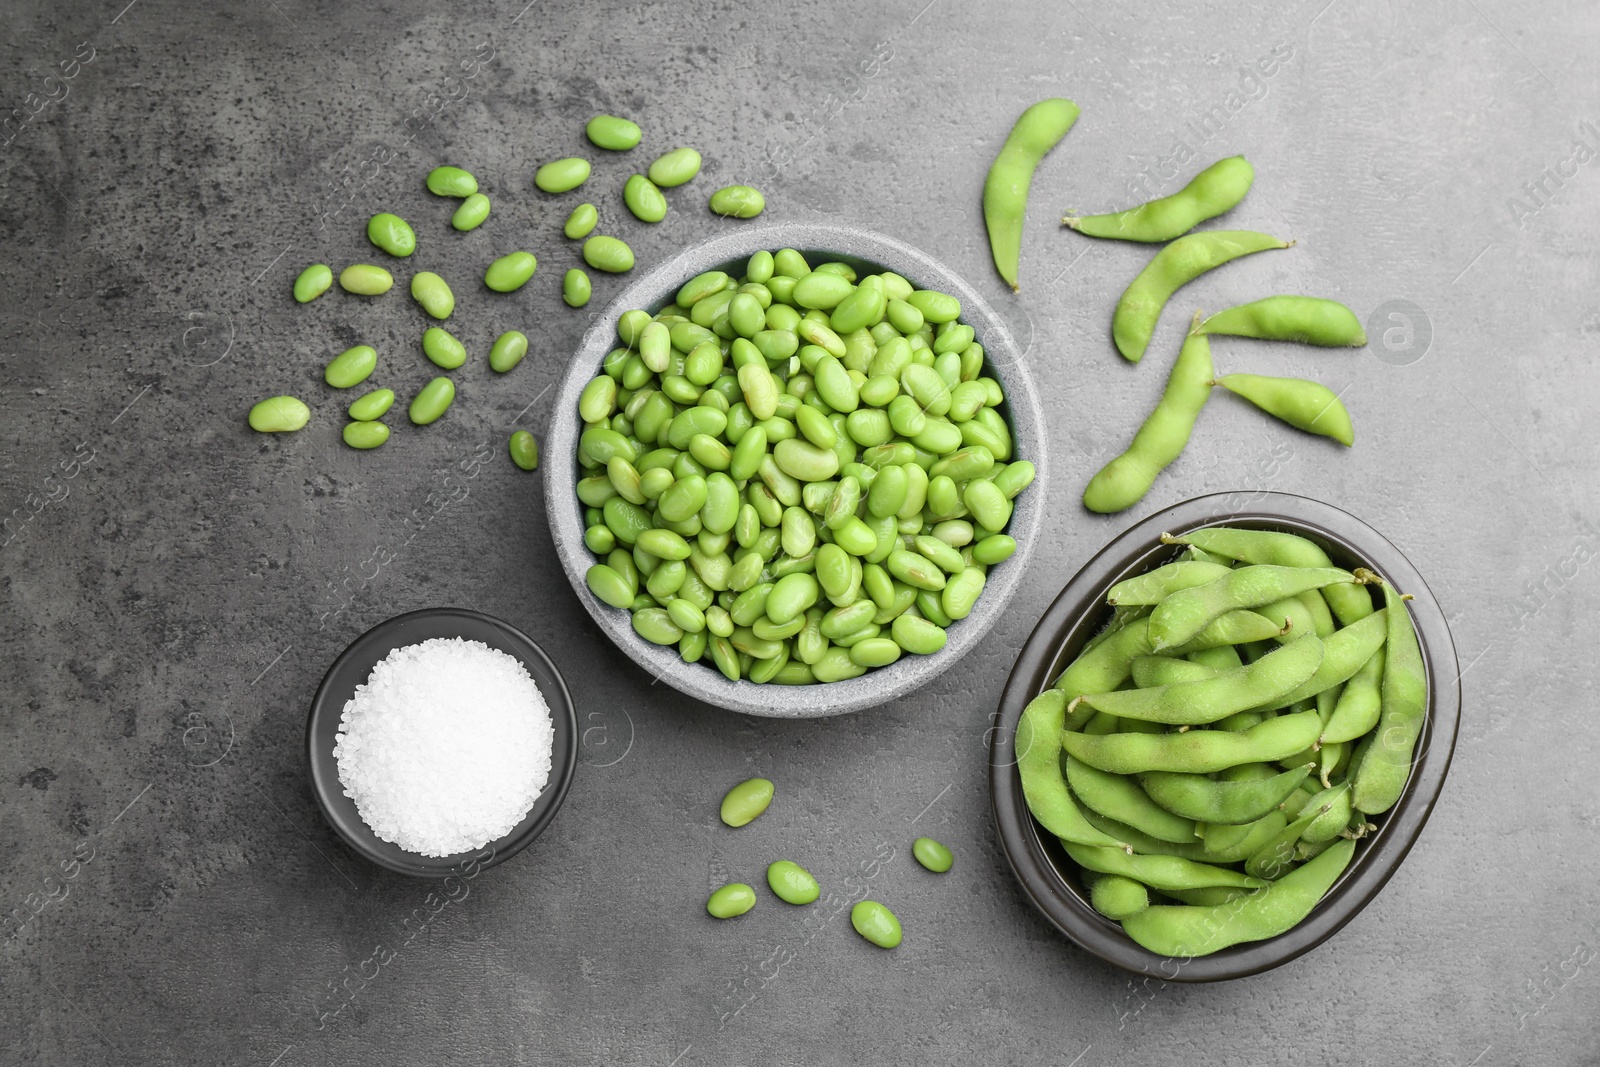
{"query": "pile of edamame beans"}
{"type": "Point", "coordinates": [798, 474]}
{"type": "Point", "coordinates": [391, 234]}
{"type": "Point", "coordinates": [1211, 757]}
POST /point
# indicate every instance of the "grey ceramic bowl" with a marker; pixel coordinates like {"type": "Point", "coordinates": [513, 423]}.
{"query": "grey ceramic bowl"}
{"type": "Point", "coordinates": [819, 242]}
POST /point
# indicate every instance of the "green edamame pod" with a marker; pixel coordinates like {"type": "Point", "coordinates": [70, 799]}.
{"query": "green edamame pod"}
{"type": "Point", "coordinates": [1359, 705]}
{"type": "Point", "coordinates": [1038, 744]}
{"type": "Point", "coordinates": [1158, 872]}
{"type": "Point", "coordinates": [1174, 266]}
{"type": "Point", "coordinates": [1122, 798]}
{"type": "Point", "coordinates": [1185, 931]}
{"type": "Point", "coordinates": [313, 282]}
{"type": "Point", "coordinates": [1212, 192]}
{"type": "Point", "coordinates": [1005, 189]}
{"type": "Point", "coordinates": [1221, 801]}
{"type": "Point", "coordinates": [1386, 765]}
{"type": "Point", "coordinates": [1197, 751]}
{"type": "Point", "coordinates": [1207, 700]}
{"type": "Point", "coordinates": [1343, 654]}
{"type": "Point", "coordinates": [1152, 586]}
{"type": "Point", "coordinates": [1186, 612]}
{"type": "Point", "coordinates": [1117, 896]}
{"type": "Point", "coordinates": [1309, 320]}
{"type": "Point", "coordinates": [1305, 405]}
{"type": "Point", "coordinates": [1349, 602]}
{"type": "Point", "coordinates": [1126, 479]}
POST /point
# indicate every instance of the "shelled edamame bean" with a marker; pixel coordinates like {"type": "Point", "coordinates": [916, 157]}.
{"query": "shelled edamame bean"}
{"type": "Point", "coordinates": [1233, 794]}
{"type": "Point", "coordinates": [789, 463]}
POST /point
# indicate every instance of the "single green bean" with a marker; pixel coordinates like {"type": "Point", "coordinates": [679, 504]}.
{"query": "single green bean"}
{"type": "Point", "coordinates": [561, 175]}
{"type": "Point", "coordinates": [473, 212]}
{"type": "Point", "coordinates": [737, 201]}
{"type": "Point", "coordinates": [392, 233]}
{"type": "Point", "coordinates": [451, 181]}
{"type": "Point", "coordinates": [612, 133]}
{"type": "Point", "coordinates": [279, 414]}
{"type": "Point", "coordinates": [313, 282]}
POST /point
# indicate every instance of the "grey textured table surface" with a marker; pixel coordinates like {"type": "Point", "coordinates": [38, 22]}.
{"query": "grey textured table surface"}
{"type": "Point", "coordinates": [174, 585]}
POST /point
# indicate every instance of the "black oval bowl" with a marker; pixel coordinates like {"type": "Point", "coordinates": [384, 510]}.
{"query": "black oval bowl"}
{"type": "Point", "coordinates": [353, 667]}
{"type": "Point", "coordinates": [1051, 880]}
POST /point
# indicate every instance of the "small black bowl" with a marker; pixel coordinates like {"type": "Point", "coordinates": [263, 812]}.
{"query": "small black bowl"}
{"type": "Point", "coordinates": [1052, 881]}
{"type": "Point", "coordinates": [353, 667]}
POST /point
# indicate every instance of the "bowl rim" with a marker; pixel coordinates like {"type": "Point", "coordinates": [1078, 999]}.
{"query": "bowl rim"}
{"type": "Point", "coordinates": [1078, 612]}
{"type": "Point", "coordinates": [357, 660]}
{"type": "Point", "coordinates": [883, 684]}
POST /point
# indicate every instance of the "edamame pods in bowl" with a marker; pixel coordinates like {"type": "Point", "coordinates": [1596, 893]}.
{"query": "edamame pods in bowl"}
{"type": "Point", "coordinates": [1246, 793]}
{"type": "Point", "coordinates": [816, 464]}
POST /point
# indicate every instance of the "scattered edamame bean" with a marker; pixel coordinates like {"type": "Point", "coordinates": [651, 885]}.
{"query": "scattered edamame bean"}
{"type": "Point", "coordinates": [432, 401]}
{"type": "Point", "coordinates": [524, 450]}
{"type": "Point", "coordinates": [1126, 479]}
{"type": "Point", "coordinates": [351, 367]}
{"type": "Point", "coordinates": [575, 288]}
{"type": "Point", "coordinates": [745, 801]}
{"type": "Point", "coordinates": [644, 199]}
{"type": "Point", "coordinates": [1213, 191]}
{"type": "Point", "coordinates": [392, 233]}
{"type": "Point", "coordinates": [451, 181]}
{"type": "Point", "coordinates": [608, 254]}
{"type": "Point", "coordinates": [932, 855]}
{"type": "Point", "coordinates": [792, 883]}
{"type": "Point", "coordinates": [612, 133]}
{"type": "Point", "coordinates": [313, 282]}
{"type": "Point", "coordinates": [731, 900]}
{"type": "Point", "coordinates": [372, 406]}
{"type": "Point", "coordinates": [675, 167]}
{"type": "Point", "coordinates": [1305, 405]}
{"type": "Point", "coordinates": [472, 213]}
{"type": "Point", "coordinates": [1005, 190]}
{"type": "Point", "coordinates": [364, 279]}
{"type": "Point", "coordinates": [510, 272]}
{"type": "Point", "coordinates": [876, 923]}
{"type": "Point", "coordinates": [562, 175]}
{"type": "Point", "coordinates": [364, 435]}
{"type": "Point", "coordinates": [279, 414]}
{"type": "Point", "coordinates": [1176, 265]}
{"type": "Point", "coordinates": [739, 201]}
{"type": "Point", "coordinates": [433, 294]}
{"type": "Point", "coordinates": [442, 349]}
{"type": "Point", "coordinates": [581, 222]}
{"type": "Point", "coordinates": [507, 351]}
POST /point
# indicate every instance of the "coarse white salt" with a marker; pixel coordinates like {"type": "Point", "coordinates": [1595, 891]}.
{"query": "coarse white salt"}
{"type": "Point", "coordinates": [445, 747]}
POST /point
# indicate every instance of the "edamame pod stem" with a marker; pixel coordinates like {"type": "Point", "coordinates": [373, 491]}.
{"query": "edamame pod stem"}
{"type": "Point", "coordinates": [1349, 602]}
{"type": "Point", "coordinates": [1305, 405]}
{"type": "Point", "coordinates": [1176, 265]}
{"type": "Point", "coordinates": [1126, 479]}
{"type": "Point", "coordinates": [1005, 190]}
{"type": "Point", "coordinates": [1196, 751]}
{"type": "Point", "coordinates": [1310, 320]}
{"type": "Point", "coordinates": [1213, 191]}
{"type": "Point", "coordinates": [1208, 700]}
{"type": "Point", "coordinates": [1186, 931]}
{"type": "Point", "coordinates": [1117, 796]}
{"type": "Point", "coordinates": [1381, 778]}
{"type": "Point", "coordinates": [1220, 801]}
{"type": "Point", "coordinates": [1186, 612]}
{"type": "Point", "coordinates": [1157, 872]}
{"type": "Point", "coordinates": [1039, 767]}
